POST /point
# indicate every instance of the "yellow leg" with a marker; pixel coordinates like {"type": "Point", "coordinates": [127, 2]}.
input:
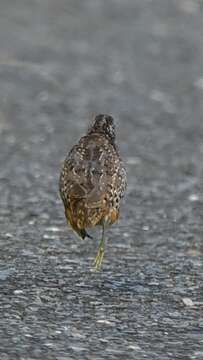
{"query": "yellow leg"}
{"type": "Point", "coordinates": [100, 254]}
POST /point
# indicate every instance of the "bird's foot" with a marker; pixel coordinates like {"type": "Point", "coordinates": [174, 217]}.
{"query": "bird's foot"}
{"type": "Point", "coordinates": [98, 259]}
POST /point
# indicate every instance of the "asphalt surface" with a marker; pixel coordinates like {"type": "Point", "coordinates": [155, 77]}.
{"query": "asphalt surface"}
{"type": "Point", "coordinates": [60, 63]}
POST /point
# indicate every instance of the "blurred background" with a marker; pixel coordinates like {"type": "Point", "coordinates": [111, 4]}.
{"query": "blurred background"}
{"type": "Point", "coordinates": [62, 62]}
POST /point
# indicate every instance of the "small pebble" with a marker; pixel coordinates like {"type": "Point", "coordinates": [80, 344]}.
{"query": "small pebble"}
{"type": "Point", "coordinates": [145, 228]}
{"type": "Point", "coordinates": [134, 347]}
{"type": "Point", "coordinates": [18, 292]}
{"type": "Point", "coordinates": [103, 321]}
{"type": "Point", "coordinates": [194, 197]}
{"type": "Point", "coordinates": [187, 302]}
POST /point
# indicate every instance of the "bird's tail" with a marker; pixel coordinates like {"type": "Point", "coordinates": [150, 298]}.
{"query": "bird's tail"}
{"type": "Point", "coordinates": [83, 234]}
{"type": "Point", "coordinates": [80, 231]}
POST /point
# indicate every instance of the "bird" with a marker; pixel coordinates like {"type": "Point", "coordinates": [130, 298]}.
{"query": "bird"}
{"type": "Point", "coordinates": [93, 181]}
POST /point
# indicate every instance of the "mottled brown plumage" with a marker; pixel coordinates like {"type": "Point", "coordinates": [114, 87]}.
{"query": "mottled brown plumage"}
{"type": "Point", "coordinates": [93, 180]}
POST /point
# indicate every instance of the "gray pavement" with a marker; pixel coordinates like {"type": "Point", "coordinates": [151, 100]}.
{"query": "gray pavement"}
{"type": "Point", "coordinates": [61, 62]}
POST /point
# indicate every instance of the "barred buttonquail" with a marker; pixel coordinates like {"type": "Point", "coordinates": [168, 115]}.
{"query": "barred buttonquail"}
{"type": "Point", "coordinates": [93, 181]}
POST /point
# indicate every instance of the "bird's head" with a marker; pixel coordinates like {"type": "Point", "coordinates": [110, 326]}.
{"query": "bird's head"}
{"type": "Point", "coordinates": [103, 124]}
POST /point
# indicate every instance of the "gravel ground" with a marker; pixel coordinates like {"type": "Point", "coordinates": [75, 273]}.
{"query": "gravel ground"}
{"type": "Point", "coordinates": [61, 62]}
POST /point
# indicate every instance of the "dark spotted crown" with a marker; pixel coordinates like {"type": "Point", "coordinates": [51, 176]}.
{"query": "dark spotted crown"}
{"type": "Point", "coordinates": [103, 124]}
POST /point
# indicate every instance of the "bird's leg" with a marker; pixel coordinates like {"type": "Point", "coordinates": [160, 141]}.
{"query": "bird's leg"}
{"type": "Point", "coordinates": [100, 254]}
